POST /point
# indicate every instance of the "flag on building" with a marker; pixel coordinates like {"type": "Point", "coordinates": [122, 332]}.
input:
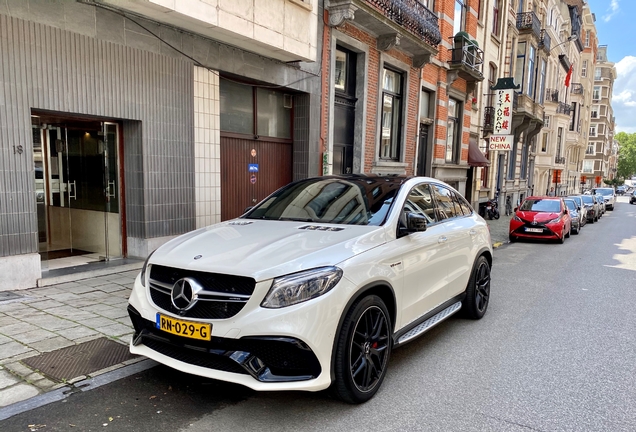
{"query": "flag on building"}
{"type": "Point", "coordinates": [568, 76]}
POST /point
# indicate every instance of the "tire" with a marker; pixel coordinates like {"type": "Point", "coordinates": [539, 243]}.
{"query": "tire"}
{"type": "Point", "coordinates": [478, 290]}
{"type": "Point", "coordinates": [577, 231]}
{"type": "Point", "coordinates": [365, 335]}
{"type": "Point", "coordinates": [496, 214]}
{"type": "Point", "coordinates": [569, 233]}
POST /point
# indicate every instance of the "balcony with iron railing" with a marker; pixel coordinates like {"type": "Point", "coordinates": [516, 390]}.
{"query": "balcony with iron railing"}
{"type": "Point", "coordinates": [563, 108]}
{"type": "Point", "coordinates": [551, 95]}
{"type": "Point", "coordinates": [528, 22]}
{"type": "Point", "coordinates": [407, 23]}
{"type": "Point", "coordinates": [467, 59]}
{"type": "Point", "coordinates": [559, 160]}
{"type": "Point", "coordinates": [577, 88]}
{"type": "Point", "coordinates": [545, 41]}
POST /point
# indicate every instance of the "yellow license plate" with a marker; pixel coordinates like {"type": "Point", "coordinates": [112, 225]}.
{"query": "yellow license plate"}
{"type": "Point", "coordinates": [189, 329]}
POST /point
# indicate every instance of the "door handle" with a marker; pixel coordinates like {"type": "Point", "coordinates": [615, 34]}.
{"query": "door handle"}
{"type": "Point", "coordinates": [472, 232]}
{"type": "Point", "coordinates": [72, 191]}
{"type": "Point", "coordinates": [442, 239]}
{"type": "Point", "coordinates": [111, 192]}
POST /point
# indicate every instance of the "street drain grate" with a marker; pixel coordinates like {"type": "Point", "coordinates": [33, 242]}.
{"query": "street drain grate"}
{"type": "Point", "coordinates": [83, 359]}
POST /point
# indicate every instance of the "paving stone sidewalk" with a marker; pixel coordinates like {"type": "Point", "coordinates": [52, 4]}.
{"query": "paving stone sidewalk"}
{"type": "Point", "coordinates": [499, 230]}
{"type": "Point", "coordinates": [58, 316]}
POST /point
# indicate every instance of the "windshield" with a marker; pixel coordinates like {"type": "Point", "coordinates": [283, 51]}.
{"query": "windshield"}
{"type": "Point", "coordinates": [541, 205]}
{"type": "Point", "coordinates": [358, 200]}
{"type": "Point", "coordinates": [571, 204]}
{"type": "Point", "coordinates": [577, 200]}
{"type": "Point", "coordinates": [587, 199]}
{"type": "Point", "coordinates": [605, 191]}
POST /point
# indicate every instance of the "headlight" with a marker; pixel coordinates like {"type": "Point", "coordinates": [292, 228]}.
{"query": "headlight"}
{"type": "Point", "coordinates": [517, 218]}
{"type": "Point", "coordinates": [143, 270]}
{"type": "Point", "coordinates": [555, 220]}
{"type": "Point", "coordinates": [299, 287]}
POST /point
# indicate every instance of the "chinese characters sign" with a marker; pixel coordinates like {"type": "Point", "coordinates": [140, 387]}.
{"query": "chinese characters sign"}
{"type": "Point", "coordinates": [503, 112]}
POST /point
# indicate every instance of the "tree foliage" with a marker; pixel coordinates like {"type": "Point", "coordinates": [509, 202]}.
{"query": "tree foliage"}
{"type": "Point", "coordinates": [626, 155]}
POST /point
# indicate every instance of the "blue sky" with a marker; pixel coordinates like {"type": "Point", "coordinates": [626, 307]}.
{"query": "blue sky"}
{"type": "Point", "coordinates": [614, 21]}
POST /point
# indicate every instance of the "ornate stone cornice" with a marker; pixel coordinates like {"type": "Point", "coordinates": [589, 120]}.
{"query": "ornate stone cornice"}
{"type": "Point", "coordinates": [388, 41]}
{"type": "Point", "coordinates": [341, 11]}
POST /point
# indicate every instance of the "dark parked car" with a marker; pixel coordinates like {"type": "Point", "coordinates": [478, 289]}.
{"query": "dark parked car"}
{"type": "Point", "coordinates": [632, 197]}
{"type": "Point", "coordinates": [575, 214]}
{"type": "Point", "coordinates": [592, 207]}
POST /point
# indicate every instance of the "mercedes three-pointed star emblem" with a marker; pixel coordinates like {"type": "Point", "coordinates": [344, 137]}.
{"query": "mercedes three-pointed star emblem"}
{"type": "Point", "coordinates": [184, 293]}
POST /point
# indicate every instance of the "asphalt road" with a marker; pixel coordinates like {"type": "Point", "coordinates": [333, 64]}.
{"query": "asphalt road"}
{"type": "Point", "coordinates": [556, 351]}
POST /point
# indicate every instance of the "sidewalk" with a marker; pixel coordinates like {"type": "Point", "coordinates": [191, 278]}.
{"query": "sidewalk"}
{"type": "Point", "coordinates": [36, 321]}
{"type": "Point", "coordinates": [44, 320]}
{"type": "Point", "coordinates": [499, 230]}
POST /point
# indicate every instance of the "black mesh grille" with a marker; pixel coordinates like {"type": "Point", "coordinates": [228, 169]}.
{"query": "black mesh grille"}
{"type": "Point", "coordinates": [283, 356]}
{"type": "Point", "coordinates": [210, 282]}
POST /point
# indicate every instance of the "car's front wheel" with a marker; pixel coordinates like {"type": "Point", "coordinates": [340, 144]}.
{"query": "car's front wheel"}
{"type": "Point", "coordinates": [363, 350]}
{"type": "Point", "coordinates": [478, 290]}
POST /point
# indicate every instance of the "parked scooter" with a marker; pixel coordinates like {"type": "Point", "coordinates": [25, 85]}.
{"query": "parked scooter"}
{"type": "Point", "coordinates": [492, 209]}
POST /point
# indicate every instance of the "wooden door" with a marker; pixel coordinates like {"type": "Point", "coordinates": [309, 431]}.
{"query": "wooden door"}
{"type": "Point", "coordinates": [250, 171]}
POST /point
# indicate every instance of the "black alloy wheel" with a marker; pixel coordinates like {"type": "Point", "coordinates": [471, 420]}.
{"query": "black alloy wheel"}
{"type": "Point", "coordinates": [363, 350]}
{"type": "Point", "coordinates": [478, 290]}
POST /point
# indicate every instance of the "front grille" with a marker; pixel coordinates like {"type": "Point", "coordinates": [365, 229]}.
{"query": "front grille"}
{"type": "Point", "coordinates": [224, 295]}
{"type": "Point", "coordinates": [283, 356]}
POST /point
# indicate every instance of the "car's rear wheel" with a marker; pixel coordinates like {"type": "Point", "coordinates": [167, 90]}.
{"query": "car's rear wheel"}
{"type": "Point", "coordinates": [478, 290]}
{"type": "Point", "coordinates": [363, 350]}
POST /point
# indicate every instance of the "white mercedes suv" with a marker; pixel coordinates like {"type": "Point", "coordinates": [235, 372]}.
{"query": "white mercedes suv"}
{"type": "Point", "coordinates": [315, 285]}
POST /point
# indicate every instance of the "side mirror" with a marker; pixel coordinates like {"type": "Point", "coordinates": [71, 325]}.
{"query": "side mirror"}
{"type": "Point", "coordinates": [415, 223]}
{"type": "Point", "coordinates": [515, 209]}
{"type": "Point", "coordinates": [247, 209]}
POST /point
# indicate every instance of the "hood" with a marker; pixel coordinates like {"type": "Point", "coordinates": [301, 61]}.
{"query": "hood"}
{"type": "Point", "coordinates": [540, 217]}
{"type": "Point", "coordinates": [265, 249]}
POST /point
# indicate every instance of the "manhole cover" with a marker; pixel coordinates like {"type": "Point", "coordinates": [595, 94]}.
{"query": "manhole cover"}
{"type": "Point", "coordinates": [71, 362]}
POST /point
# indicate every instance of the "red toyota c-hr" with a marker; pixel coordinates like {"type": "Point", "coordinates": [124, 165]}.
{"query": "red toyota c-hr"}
{"type": "Point", "coordinates": [541, 218]}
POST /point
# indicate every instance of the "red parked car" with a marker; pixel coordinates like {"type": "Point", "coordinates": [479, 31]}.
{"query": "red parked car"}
{"type": "Point", "coordinates": [541, 217]}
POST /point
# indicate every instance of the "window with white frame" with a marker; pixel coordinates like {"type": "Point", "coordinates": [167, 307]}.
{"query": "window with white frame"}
{"type": "Point", "coordinates": [591, 148]}
{"type": "Point", "coordinates": [597, 74]}
{"type": "Point", "coordinates": [584, 69]}
{"type": "Point", "coordinates": [459, 19]}
{"type": "Point", "coordinates": [391, 129]}
{"type": "Point", "coordinates": [453, 130]}
{"type": "Point", "coordinates": [530, 88]}
{"type": "Point", "coordinates": [546, 121]}
{"type": "Point", "coordinates": [596, 93]}
{"type": "Point", "coordinates": [587, 38]}
{"type": "Point", "coordinates": [521, 63]}
{"type": "Point", "coordinates": [588, 166]}
{"type": "Point", "coordinates": [542, 81]}
{"type": "Point", "coordinates": [593, 129]}
{"type": "Point", "coordinates": [544, 142]}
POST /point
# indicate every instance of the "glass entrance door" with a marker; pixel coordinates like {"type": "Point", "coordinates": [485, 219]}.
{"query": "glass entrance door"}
{"type": "Point", "coordinates": [80, 222]}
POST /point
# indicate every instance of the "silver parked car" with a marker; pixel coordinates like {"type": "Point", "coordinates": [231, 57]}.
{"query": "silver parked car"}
{"type": "Point", "coordinates": [609, 196]}
{"type": "Point", "coordinates": [580, 209]}
{"type": "Point", "coordinates": [592, 207]}
{"type": "Point", "coordinates": [574, 214]}
{"type": "Point", "coordinates": [601, 204]}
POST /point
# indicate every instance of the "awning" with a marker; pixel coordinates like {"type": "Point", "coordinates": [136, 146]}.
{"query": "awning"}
{"type": "Point", "coordinates": [475, 157]}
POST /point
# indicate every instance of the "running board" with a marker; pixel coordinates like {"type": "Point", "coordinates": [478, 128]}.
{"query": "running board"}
{"type": "Point", "coordinates": [429, 323]}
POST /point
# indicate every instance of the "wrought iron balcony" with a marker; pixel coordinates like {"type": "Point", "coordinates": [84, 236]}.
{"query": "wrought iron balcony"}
{"type": "Point", "coordinates": [551, 95]}
{"type": "Point", "coordinates": [545, 41]}
{"type": "Point", "coordinates": [559, 160]}
{"type": "Point", "coordinates": [404, 23]}
{"type": "Point", "coordinates": [528, 22]}
{"type": "Point", "coordinates": [577, 88]}
{"type": "Point", "coordinates": [467, 60]}
{"type": "Point", "coordinates": [489, 119]}
{"type": "Point", "coordinates": [563, 108]}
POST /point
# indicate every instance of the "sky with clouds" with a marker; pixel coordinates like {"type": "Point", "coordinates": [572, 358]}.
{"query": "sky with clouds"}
{"type": "Point", "coordinates": [614, 25]}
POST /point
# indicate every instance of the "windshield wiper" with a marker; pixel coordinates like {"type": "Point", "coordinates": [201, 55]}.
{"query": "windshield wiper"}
{"type": "Point", "coordinates": [296, 219]}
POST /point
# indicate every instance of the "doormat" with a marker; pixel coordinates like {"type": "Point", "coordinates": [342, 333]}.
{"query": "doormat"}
{"type": "Point", "coordinates": [83, 359]}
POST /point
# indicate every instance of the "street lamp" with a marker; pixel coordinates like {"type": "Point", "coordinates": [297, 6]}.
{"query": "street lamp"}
{"type": "Point", "coordinates": [569, 39]}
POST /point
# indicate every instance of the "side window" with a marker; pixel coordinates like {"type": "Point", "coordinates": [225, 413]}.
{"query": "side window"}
{"type": "Point", "coordinates": [446, 207]}
{"type": "Point", "coordinates": [463, 204]}
{"type": "Point", "coordinates": [420, 201]}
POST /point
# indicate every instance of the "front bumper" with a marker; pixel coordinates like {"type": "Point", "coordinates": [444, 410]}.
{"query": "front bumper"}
{"type": "Point", "coordinates": [264, 349]}
{"type": "Point", "coordinates": [547, 231]}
